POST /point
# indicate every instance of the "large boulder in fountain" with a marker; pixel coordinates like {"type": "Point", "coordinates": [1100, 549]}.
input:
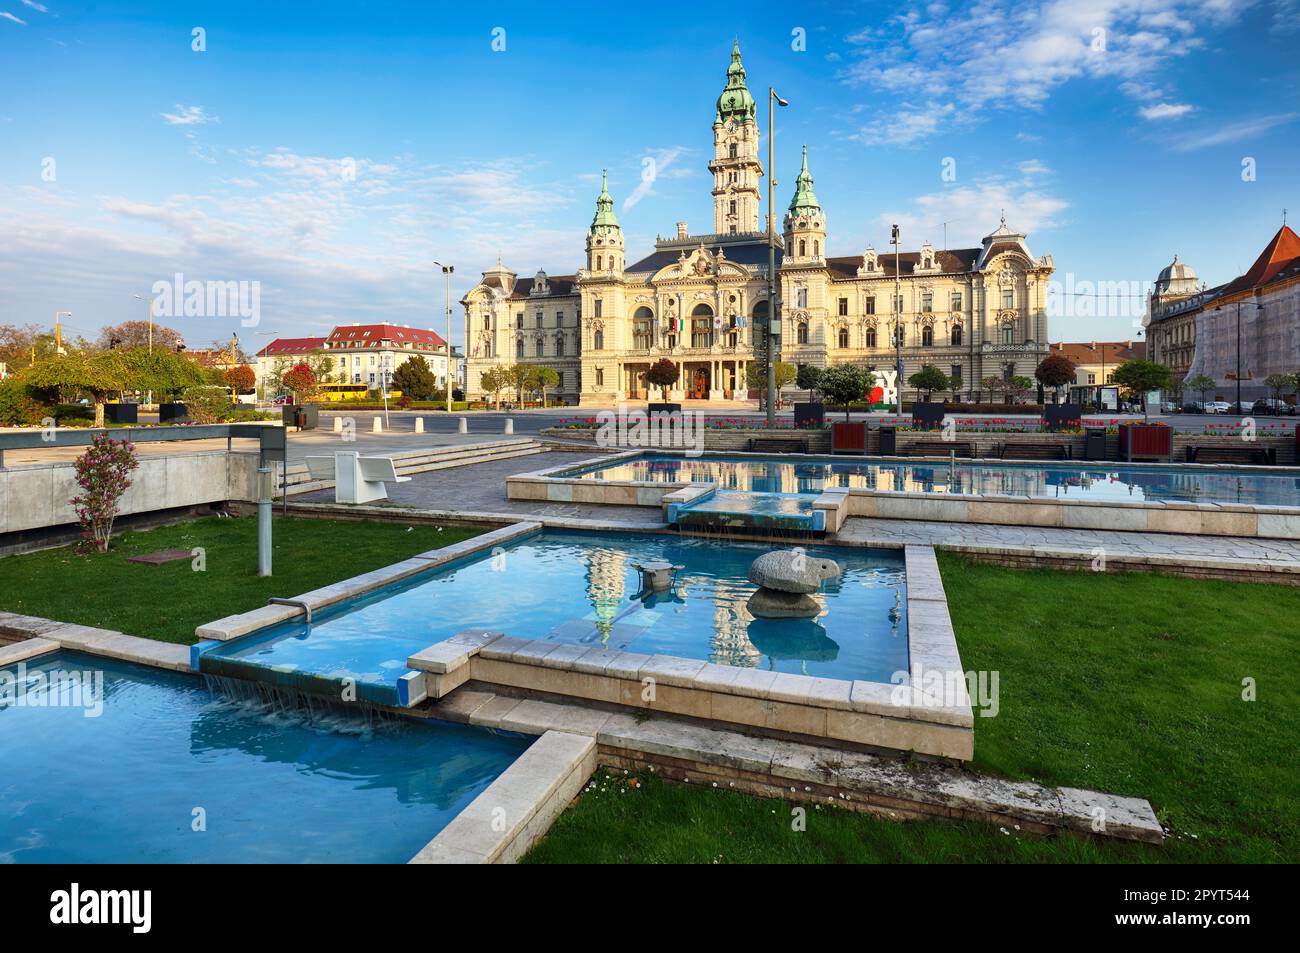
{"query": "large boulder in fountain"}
{"type": "Point", "coordinates": [791, 571]}
{"type": "Point", "coordinates": [775, 604]}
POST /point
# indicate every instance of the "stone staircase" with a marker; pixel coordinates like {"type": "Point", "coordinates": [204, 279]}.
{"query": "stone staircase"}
{"type": "Point", "coordinates": [410, 462]}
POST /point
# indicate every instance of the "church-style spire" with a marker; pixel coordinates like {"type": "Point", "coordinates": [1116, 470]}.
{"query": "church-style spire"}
{"type": "Point", "coordinates": [805, 199]}
{"type": "Point", "coordinates": [736, 101]}
{"type": "Point", "coordinates": [605, 218]}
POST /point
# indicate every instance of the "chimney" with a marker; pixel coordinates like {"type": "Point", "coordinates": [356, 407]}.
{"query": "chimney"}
{"type": "Point", "coordinates": [681, 230]}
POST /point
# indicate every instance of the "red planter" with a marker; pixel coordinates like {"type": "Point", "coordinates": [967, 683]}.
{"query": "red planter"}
{"type": "Point", "coordinates": [848, 437]}
{"type": "Point", "coordinates": [1146, 441]}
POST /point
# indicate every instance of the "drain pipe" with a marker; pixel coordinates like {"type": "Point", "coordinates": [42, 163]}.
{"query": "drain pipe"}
{"type": "Point", "coordinates": [277, 601]}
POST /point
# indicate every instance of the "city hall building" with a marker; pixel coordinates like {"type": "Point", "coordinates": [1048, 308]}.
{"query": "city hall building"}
{"type": "Point", "coordinates": [698, 300]}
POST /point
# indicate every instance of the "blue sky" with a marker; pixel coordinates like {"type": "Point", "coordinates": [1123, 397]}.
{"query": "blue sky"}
{"type": "Point", "coordinates": [332, 152]}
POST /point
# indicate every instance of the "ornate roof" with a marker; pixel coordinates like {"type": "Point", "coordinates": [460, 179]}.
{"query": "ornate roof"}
{"type": "Point", "coordinates": [805, 199]}
{"type": "Point", "coordinates": [736, 101]}
{"type": "Point", "coordinates": [605, 220]}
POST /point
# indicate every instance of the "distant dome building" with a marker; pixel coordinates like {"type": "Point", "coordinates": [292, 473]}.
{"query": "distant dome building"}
{"type": "Point", "coordinates": [1176, 280]}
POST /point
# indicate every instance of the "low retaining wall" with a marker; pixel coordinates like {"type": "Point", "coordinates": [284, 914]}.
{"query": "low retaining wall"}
{"type": "Point", "coordinates": [1150, 516]}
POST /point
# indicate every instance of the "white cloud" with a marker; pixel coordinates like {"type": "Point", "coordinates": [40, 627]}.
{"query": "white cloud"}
{"type": "Point", "coordinates": [1009, 53]}
{"type": "Point", "coordinates": [1032, 167]}
{"type": "Point", "coordinates": [188, 116]}
{"type": "Point", "coordinates": [1233, 132]}
{"type": "Point", "coordinates": [904, 127]}
{"type": "Point", "coordinates": [1165, 111]}
{"type": "Point", "coordinates": [6, 15]}
{"type": "Point", "coordinates": [38, 7]}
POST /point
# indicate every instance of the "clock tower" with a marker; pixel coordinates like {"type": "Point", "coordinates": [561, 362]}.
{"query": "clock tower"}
{"type": "Point", "coordinates": [735, 166]}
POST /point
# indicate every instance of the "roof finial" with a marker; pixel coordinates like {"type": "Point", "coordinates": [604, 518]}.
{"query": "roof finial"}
{"type": "Point", "coordinates": [1004, 217]}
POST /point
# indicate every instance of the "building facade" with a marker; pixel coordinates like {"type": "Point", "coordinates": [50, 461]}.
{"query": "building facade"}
{"type": "Point", "coordinates": [1237, 333]}
{"type": "Point", "coordinates": [701, 301]}
{"type": "Point", "coordinates": [362, 353]}
{"type": "Point", "coordinates": [1095, 361]}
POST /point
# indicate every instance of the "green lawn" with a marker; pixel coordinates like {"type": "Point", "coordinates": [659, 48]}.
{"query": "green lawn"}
{"type": "Point", "coordinates": [168, 601]}
{"type": "Point", "coordinates": [1127, 683]}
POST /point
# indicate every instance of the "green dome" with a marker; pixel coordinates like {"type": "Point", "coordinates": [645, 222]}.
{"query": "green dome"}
{"type": "Point", "coordinates": [805, 199]}
{"type": "Point", "coordinates": [605, 220]}
{"type": "Point", "coordinates": [736, 101]}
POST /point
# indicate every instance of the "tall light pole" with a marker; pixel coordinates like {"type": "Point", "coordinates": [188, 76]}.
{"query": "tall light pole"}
{"type": "Point", "coordinates": [446, 274]}
{"type": "Point", "coordinates": [773, 314]}
{"type": "Point", "coordinates": [150, 301]}
{"type": "Point", "coordinates": [898, 326]}
{"type": "Point", "coordinates": [58, 332]}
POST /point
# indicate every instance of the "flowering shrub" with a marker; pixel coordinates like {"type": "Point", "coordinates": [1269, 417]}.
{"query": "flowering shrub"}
{"type": "Point", "coordinates": [102, 474]}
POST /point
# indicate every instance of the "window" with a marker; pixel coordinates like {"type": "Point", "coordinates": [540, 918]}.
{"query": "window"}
{"type": "Point", "coordinates": [519, 320]}
{"type": "Point", "coordinates": [539, 319]}
{"type": "Point", "coordinates": [1092, 378]}
{"type": "Point", "coordinates": [956, 301]}
{"type": "Point", "coordinates": [803, 248]}
{"type": "Point", "coordinates": [844, 337]}
{"type": "Point", "coordinates": [817, 248]}
{"type": "Point", "coordinates": [927, 336]}
{"type": "Point", "coordinates": [900, 336]}
{"type": "Point", "coordinates": [955, 335]}
{"type": "Point", "coordinates": [871, 337]}
{"type": "Point", "coordinates": [487, 322]}
{"type": "Point", "coordinates": [1008, 298]}
{"type": "Point", "coordinates": [519, 349]}
{"type": "Point", "coordinates": [731, 150]}
{"type": "Point", "coordinates": [559, 318]}
{"type": "Point", "coordinates": [641, 332]}
{"type": "Point", "coordinates": [559, 345]}
{"type": "Point", "coordinates": [600, 262]}
{"type": "Point", "coordinates": [600, 377]}
{"type": "Point", "coordinates": [598, 340]}
{"type": "Point", "coordinates": [801, 297]}
{"type": "Point", "coordinates": [927, 302]}
{"type": "Point", "coordinates": [955, 377]}
{"type": "Point", "coordinates": [733, 206]}
{"type": "Point", "coordinates": [898, 304]}
{"type": "Point", "coordinates": [801, 333]}
{"type": "Point", "coordinates": [541, 347]}
{"type": "Point", "coordinates": [844, 307]}
{"type": "Point", "coordinates": [599, 308]}
{"type": "Point", "coordinates": [1008, 333]}
{"type": "Point", "coordinates": [871, 304]}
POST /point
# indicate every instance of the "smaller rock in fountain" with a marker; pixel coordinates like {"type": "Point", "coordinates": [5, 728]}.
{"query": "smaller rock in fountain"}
{"type": "Point", "coordinates": [775, 604]}
{"type": "Point", "coordinates": [791, 571]}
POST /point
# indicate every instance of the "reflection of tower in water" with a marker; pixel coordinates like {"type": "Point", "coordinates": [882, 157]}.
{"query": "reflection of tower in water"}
{"type": "Point", "coordinates": [606, 574]}
{"type": "Point", "coordinates": [730, 643]}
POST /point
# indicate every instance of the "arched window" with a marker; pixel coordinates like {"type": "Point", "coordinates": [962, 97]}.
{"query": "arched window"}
{"type": "Point", "coordinates": [956, 334]}
{"type": "Point", "coordinates": [541, 347]}
{"type": "Point", "coordinates": [731, 150]}
{"type": "Point", "coordinates": [844, 337]}
{"type": "Point", "coordinates": [559, 345]}
{"type": "Point", "coordinates": [803, 248]}
{"type": "Point", "coordinates": [702, 326]}
{"type": "Point", "coordinates": [641, 328]}
{"type": "Point", "coordinates": [598, 340]}
{"type": "Point", "coordinates": [600, 262]}
{"type": "Point", "coordinates": [801, 333]}
{"type": "Point", "coordinates": [927, 336]}
{"type": "Point", "coordinates": [1008, 333]}
{"type": "Point", "coordinates": [871, 337]}
{"type": "Point", "coordinates": [519, 349]}
{"type": "Point", "coordinates": [817, 248]}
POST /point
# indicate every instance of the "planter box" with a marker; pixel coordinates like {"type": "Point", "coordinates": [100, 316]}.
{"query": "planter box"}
{"type": "Point", "coordinates": [122, 413]}
{"type": "Point", "coordinates": [811, 414]}
{"type": "Point", "coordinates": [173, 413]}
{"type": "Point", "coordinates": [1058, 416]}
{"type": "Point", "coordinates": [1146, 441]}
{"type": "Point", "coordinates": [662, 408]}
{"type": "Point", "coordinates": [849, 437]}
{"type": "Point", "coordinates": [928, 415]}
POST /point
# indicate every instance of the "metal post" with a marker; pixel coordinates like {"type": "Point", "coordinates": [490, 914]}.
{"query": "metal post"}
{"type": "Point", "coordinates": [264, 493]}
{"type": "Point", "coordinates": [772, 313]}
{"type": "Point", "coordinates": [898, 329]}
{"type": "Point", "coordinates": [446, 271]}
{"type": "Point", "coordinates": [1238, 408]}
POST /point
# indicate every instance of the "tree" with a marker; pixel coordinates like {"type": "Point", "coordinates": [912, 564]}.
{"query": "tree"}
{"type": "Point", "coordinates": [517, 376]}
{"type": "Point", "coordinates": [756, 375]}
{"type": "Point", "coordinates": [159, 371]}
{"type": "Point", "coordinates": [415, 379]}
{"type": "Point", "coordinates": [1202, 384]}
{"type": "Point", "coordinates": [1018, 387]}
{"type": "Point", "coordinates": [300, 381]}
{"type": "Point", "coordinates": [1055, 371]}
{"type": "Point", "coordinates": [493, 381]}
{"type": "Point", "coordinates": [133, 334]}
{"type": "Point", "coordinates": [241, 378]}
{"type": "Point", "coordinates": [928, 380]}
{"type": "Point", "coordinates": [809, 378]}
{"type": "Point", "coordinates": [18, 343]}
{"type": "Point", "coordinates": [103, 475]}
{"type": "Point", "coordinates": [321, 365]}
{"type": "Point", "coordinates": [91, 374]}
{"type": "Point", "coordinates": [994, 385]}
{"type": "Point", "coordinates": [1139, 377]}
{"type": "Point", "coordinates": [845, 383]}
{"type": "Point", "coordinates": [543, 379]}
{"type": "Point", "coordinates": [663, 374]}
{"type": "Point", "coordinates": [1279, 384]}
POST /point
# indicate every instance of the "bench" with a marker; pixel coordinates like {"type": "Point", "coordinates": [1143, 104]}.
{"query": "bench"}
{"type": "Point", "coordinates": [937, 448]}
{"type": "Point", "coordinates": [356, 479]}
{"type": "Point", "coordinates": [1242, 454]}
{"type": "Point", "coordinates": [778, 445]}
{"type": "Point", "coordinates": [1035, 451]}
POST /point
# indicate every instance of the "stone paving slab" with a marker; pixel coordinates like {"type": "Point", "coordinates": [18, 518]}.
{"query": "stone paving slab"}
{"type": "Point", "coordinates": [17, 652]}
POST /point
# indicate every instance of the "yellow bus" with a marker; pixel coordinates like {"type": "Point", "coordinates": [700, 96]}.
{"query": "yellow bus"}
{"type": "Point", "coordinates": [334, 392]}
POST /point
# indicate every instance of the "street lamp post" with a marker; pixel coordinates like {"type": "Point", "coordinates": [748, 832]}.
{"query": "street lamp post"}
{"type": "Point", "coordinates": [773, 314]}
{"type": "Point", "coordinates": [446, 273]}
{"type": "Point", "coordinates": [898, 326]}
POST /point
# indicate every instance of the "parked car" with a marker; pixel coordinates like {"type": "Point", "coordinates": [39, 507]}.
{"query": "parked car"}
{"type": "Point", "coordinates": [1217, 407]}
{"type": "Point", "coordinates": [1274, 407]}
{"type": "Point", "coordinates": [280, 399]}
